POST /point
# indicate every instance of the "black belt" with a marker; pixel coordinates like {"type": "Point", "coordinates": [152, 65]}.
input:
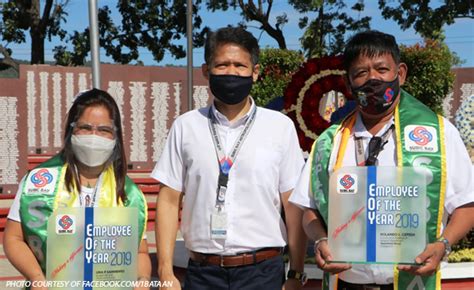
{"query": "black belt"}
{"type": "Point", "coordinates": [343, 285]}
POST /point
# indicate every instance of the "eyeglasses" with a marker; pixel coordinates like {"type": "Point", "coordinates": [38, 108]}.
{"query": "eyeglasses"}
{"type": "Point", "coordinates": [375, 146]}
{"type": "Point", "coordinates": [106, 131]}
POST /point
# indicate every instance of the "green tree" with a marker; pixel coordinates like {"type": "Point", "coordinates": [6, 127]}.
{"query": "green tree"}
{"type": "Point", "coordinates": [425, 16]}
{"type": "Point", "coordinates": [19, 16]}
{"type": "Point", "coordinates": [7, 60]}
{"type": "Point", "coordinates": [276, 68]}
{"type": "Point", "coordinates": [154, 25]}
{"type": "Point", "coordinates": [325, 34]}
{"type": "Point", "coordinates": [429, 72]}
{"type": "Point", "coordinates": [259, 12]}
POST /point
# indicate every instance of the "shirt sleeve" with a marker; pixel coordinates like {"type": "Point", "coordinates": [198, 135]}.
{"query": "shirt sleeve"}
{"type": "Point", "coordinates": [292, 161]}
{"type": "Point", "coordinates": [169, 169]}
{"type": "Point", "coordinates": [301, 195]}
{"type": "Point", "coordinates": [459, 181]}
{"type": "Point", "coordinates": [14, 213]}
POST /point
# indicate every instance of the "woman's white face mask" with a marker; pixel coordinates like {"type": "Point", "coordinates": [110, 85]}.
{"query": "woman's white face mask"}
{"type": "Point", "coordinates": [92, 150]}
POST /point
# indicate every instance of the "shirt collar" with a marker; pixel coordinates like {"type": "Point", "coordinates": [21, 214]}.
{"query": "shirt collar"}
{"type": "Point", "coordinates": [222, 119]}
{"type": "Point", "coordinates": [361, 132]}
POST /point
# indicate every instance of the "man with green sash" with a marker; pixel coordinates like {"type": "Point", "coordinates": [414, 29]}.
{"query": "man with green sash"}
{"type": "Point", "coordinates": [388, 128]}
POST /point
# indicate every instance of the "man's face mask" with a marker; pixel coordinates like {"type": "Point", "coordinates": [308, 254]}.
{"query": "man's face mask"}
{"type": "Point", "coordinates": [376, 96]}
{"type": "Point", "coordinates": [230, 89]}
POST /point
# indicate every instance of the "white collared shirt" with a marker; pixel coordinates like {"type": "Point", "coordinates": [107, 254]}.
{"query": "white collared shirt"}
{"type": "Point", "coordinates": [268, 164]}
{"type": "Point", "coordinates": [459, 188]}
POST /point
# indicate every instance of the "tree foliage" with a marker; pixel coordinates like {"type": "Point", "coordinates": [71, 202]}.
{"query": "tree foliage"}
{"type": "Point", "coordinates": [19, 16]}
{"type": "Point", "coordinates": [426, 17]}
{"type": "Point", "coordinates": [276, 68]}
{"type": "Point", "coordinates": [7, 60]}
{"type": "Point", "coordinates": [429, 72]}
{"type": "Point", "coordinates": [325, 34]}
{"type": "Point", "coordinates": [157, 26]}
{"type": "Point", "coordinates": [259, 12]}
{"type": "Point", "coordinates": [153, 25]}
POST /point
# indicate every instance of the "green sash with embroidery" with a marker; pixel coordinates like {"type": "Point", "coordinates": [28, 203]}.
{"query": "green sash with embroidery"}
{"type": "Point", "coordinates": [44, 191]}
{"type": "Point", "coordinates": [419, 142]}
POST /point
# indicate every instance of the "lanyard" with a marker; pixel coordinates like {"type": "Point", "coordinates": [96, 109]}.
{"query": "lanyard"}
{"type": "Point", "coordinates": [226, 162]}
{"type": "Point", "coordinates": [94, 195]}
{"type": "Point", "coordinates": [372, 156]}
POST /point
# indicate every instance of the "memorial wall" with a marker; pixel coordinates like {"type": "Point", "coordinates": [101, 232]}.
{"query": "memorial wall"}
{"type": "Point", "coordinates": [13, 134]}
{"type": "Point", "coordinates": [33, 109]}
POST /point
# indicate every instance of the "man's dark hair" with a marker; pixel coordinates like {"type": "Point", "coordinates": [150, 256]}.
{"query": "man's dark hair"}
{"type": "Point", "coordinates": [370, 43]}
{"type": "Point", "coordinates": [234, 35]}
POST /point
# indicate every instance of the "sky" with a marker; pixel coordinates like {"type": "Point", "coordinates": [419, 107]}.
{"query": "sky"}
{"type": "Point", "coordinates": [459, 36]}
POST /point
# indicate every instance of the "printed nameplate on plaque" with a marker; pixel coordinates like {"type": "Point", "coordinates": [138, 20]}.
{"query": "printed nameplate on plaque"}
{"type": "Point", "coordinates": [91, 248]}
{"type": "Point", "coordinates": [377, 214]}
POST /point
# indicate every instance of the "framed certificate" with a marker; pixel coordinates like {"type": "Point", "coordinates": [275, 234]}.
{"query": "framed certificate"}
{"type": "Point", "coordinates": [377, 214]}
{"type": "Point", "coordinates": [92, 247]}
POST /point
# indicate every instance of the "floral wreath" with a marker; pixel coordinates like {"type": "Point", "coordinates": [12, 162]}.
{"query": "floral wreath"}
{"type": "Point", "coordinates": [302, 97]}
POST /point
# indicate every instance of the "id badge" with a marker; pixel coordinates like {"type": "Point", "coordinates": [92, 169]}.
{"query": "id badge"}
{"type": "Point", "coordinates": [219, 225]}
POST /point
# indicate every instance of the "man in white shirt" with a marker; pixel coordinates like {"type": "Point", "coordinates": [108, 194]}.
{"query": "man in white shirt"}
{"type": "Point", "coordinates": [388, 114]}
{"type": "Point", "coordinates": [233, 166]}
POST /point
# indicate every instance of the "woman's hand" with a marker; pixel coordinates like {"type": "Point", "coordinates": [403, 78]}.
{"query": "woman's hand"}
{"type": "Point", "coordinates": [144, 265]}
{"type": "Point", "coordinates": [21, 255]}
{"type": "Point", "coordinates": [142, 283]}
{"type": "Point", "coordinates": [172, 281]}
{"type": "Point", "coordinates": [38, 282]}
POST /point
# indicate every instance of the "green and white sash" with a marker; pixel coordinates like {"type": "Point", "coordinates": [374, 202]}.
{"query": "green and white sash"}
{"type": "Point", "coordinates": [44, 191]}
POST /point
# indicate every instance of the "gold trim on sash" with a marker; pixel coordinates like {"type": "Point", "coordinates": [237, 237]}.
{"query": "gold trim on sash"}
{"type": "Point", "coordinates": [398, 135]}
{"type": "Point", "coordinates": [442, 189]}
{"type": "Point", "coordinates": [398, 148]}
{"type": "Point", "coordinates": [63, 197]}
{"type": "Point", "coordinates": [310, 160]}
{"type": "Point", "coordinates": [395, 277]}
{"type": "Point", "coordinates": [346, 133]}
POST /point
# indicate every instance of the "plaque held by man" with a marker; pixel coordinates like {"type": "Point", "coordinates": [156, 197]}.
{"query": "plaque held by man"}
{"type": "Point", "coordinates": [377, 214]}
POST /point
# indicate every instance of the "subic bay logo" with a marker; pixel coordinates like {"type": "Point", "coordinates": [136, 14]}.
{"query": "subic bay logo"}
{"type": "Point", "coordinates": [41, 178]}
{"type": "Point", "coordinates": [347, 183]}
{"type": "Point", "coordinates": [420, 138]}
{"type": "Point", "coordinates": [65, 224]}
{"type": "Point", "coordinates": [420, 135]}
{"type": "Point", "coordinates": [388, 96]}
{"type": "Point", "coordinates": [226, 164]}
{"type": "Point", "coordinates": [41, 181]}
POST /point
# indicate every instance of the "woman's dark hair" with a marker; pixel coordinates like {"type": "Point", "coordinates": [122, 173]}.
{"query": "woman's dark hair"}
{"type": "Point", "coordinates": [91, 98]}
{"type": "Point", "coordinates": [234, 35]}
{"type": "Point", "coordinates": [370, 43]}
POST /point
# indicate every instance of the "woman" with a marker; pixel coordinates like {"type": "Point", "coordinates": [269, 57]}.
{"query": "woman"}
{"type": "Point", "coordinates": [93, 161]}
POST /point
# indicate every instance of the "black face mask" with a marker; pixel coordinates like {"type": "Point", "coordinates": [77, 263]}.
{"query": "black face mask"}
{"type": "Point", "coordinates": [230, 89]}
{"type": "Point", "coordinates": [376, 96]}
